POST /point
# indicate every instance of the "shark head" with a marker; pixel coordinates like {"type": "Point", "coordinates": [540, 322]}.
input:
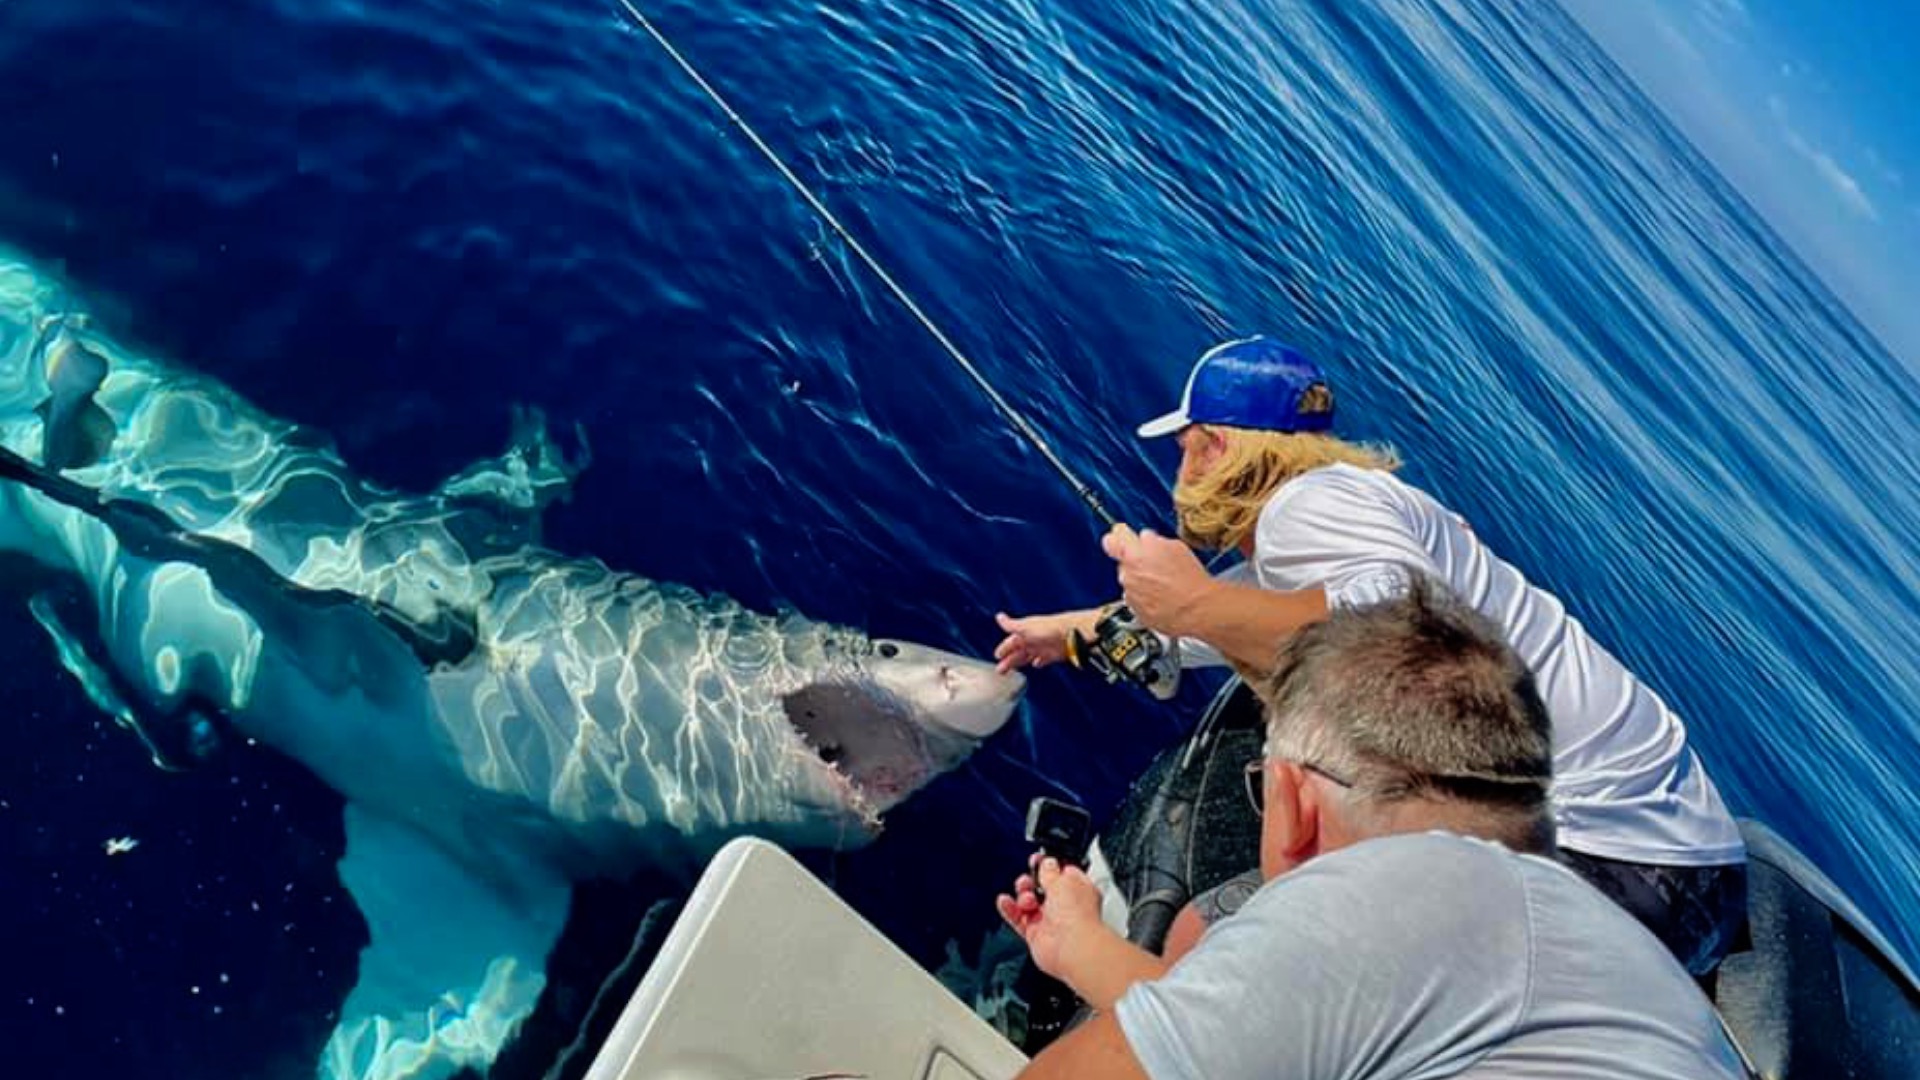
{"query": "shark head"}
{"type": "Point", "coordinates": [880, 728]}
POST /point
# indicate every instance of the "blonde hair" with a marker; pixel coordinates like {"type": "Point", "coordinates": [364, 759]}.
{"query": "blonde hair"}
{"type": "Point", "coordinates": [1218, 510]}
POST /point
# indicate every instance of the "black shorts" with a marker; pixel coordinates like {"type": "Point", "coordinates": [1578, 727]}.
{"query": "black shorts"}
{"type": "Point", "coordinates": [1695, 911]}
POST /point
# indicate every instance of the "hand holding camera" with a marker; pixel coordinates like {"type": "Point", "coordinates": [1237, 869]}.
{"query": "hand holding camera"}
{"type": "Point", "coordinates": [1055, 900]}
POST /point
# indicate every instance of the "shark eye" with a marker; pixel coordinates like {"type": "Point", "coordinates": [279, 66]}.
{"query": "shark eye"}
{"type": "Point", "coordinates": [888, 650]}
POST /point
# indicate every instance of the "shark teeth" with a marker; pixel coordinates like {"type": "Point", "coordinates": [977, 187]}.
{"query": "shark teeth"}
{"type": "Point", "coordinates": [827, 757]}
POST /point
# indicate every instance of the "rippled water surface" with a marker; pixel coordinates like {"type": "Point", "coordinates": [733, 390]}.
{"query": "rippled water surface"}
{"type": "Point", "coordinates": [396, 222]}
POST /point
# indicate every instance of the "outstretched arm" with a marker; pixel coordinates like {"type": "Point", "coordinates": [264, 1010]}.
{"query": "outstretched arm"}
{"type": "Point", "coordinates": [1039, 640]}
{"type": "Point", "coordinates": [1070, 943]}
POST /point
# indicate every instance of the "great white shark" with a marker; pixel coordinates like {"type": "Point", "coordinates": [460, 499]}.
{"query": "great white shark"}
{"type": "Point", "coordinates": [502, 720]}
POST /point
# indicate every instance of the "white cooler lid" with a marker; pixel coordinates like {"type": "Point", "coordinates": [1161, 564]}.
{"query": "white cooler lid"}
{"type": "Point", "coordinates": [767, 975]}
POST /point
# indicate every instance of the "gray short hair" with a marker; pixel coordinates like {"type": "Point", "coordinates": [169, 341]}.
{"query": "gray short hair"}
{"type": "Point", "coordinates": [1417, 697]}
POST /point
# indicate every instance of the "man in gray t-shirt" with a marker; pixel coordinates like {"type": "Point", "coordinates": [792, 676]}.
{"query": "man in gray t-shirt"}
{"type": "Point", "coordinates": [1394, 937]}
{"type": "Point", "coordinates": [1425, 955]}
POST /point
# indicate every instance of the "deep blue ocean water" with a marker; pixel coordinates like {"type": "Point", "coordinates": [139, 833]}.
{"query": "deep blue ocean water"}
{"type": "Point", "coordinates": [396, 222]}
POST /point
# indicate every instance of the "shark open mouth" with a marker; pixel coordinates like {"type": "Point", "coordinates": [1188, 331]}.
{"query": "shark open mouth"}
{"type": "Point", "coordinates": [865, 737]}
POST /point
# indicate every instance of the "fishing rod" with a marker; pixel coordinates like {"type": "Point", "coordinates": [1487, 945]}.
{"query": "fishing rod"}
{"type": "Point", "coordinates": [1121, 647]}
{"type": "Point", "coordinates": [1006, 409]}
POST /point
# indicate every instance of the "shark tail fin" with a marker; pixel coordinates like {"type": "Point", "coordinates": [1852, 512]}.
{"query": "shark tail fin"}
{"type": "Point", "coordinates": [455, 962]}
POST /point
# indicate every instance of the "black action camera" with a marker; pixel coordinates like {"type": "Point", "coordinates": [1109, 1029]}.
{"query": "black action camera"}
{"type": "Point", "coordinates": [1063, 831]}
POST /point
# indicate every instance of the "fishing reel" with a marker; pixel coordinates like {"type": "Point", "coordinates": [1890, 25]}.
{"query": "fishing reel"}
{"type": "Point", "coordinates": [1123, 649]}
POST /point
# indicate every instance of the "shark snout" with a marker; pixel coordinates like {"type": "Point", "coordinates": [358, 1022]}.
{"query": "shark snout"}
{"type": "Point", "coordinates": [957, 693]}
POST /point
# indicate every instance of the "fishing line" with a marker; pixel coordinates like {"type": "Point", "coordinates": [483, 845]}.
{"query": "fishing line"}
{"type": "Point", "coordinates": [1006, 409]}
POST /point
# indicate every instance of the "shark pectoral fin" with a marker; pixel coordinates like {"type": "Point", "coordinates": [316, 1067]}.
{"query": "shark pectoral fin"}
{"type": "Point", "coordinates": [94, 680]}
{"type": "Point", "coordinates": [73, 656]}
{"type": "Point", "coordinates": [455, 964]}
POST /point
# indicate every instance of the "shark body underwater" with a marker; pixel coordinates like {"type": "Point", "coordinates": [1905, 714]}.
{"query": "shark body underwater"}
{"type": "Point", "coordinates": [503, 721]}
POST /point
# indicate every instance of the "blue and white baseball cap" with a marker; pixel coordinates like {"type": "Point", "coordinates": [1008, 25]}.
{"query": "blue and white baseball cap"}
{"type": "Point", "coordinates": [1253, 383]}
